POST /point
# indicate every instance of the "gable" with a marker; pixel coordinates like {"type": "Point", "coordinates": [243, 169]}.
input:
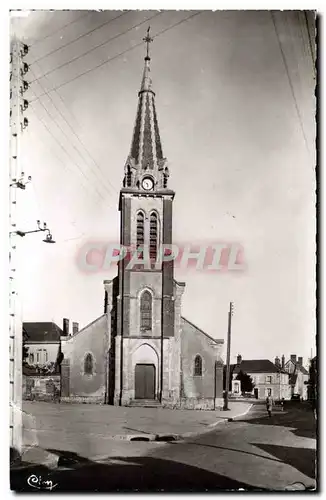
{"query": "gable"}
{"type": "Point", "coordinates": [188, 324]}
{"type": "Point", "coordinates": [90, 338]}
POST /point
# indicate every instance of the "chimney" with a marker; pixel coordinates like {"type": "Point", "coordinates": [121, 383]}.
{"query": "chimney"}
{"type": "Point", "coordinates": [277, 362]}
{"type": "Point", "coordinates": [65, 327]}
{"type": "Point", "coordinates": [239, 359]}
{"type": "Point", "coordinates": [293, 358]}
{"type": "Point", "coordinates": [300, 361]}
{"type": "Point", "coordinates": [75, 327]}
{"type": "Point", "coordinates": [283, 361]}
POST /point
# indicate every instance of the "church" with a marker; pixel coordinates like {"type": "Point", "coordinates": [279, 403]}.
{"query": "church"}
{"type": "Point", "coordinates": [142, 351]}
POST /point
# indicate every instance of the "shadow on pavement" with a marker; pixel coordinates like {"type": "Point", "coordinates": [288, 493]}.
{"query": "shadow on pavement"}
{"type": "Point", "coordinates": [301, 420]}
{"type": "Point", "coordinates": [302, 459]}
{"type": "Point", "coordinates": [145, 474]}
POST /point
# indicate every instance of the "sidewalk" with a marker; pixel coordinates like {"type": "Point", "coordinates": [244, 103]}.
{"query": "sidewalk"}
{"type": "Point", "coordinates": [89, 429]}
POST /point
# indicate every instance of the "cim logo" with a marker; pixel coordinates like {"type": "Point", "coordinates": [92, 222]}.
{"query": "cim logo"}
{"type": "Point", "coordinates": [95, 257]}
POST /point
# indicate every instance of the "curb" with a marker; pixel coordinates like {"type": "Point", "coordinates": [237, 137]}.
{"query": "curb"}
{"type": "Point", "coordinates": [231, 419]}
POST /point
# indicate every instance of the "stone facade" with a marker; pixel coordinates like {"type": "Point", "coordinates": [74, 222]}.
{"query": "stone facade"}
{"type": "Point", "coordinates": [76, 384]}
{"type": "Point", "coordinates": [143, 349]}
{"type": "Point", "coordinates": [203, 391]}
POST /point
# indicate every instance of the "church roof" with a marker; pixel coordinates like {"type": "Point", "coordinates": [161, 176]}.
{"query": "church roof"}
{"type": "Point", "coordinates": [215, 341]}
{"type": "Point", "coordinates": [146, 153]}
{"type": "Point", "coordinates": [41, 332]}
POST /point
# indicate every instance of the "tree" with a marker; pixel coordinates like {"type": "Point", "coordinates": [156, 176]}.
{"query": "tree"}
{"type": "Point", "coordinates": [25, 349]}
{"type": "Point", "coordinates": [247, 384]}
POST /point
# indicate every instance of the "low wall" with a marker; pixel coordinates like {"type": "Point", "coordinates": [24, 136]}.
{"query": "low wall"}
{"type": "Point", "coordinates": [41, 387]}
{"type": "Point", "coordinates": [82, 399]}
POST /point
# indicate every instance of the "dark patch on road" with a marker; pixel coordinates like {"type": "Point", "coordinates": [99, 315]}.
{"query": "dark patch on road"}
{"type": "Point", "coordinates": [168, 438]}
{"type": "Point", "coordinates": [144, 474]}
{"type": "Point", "coordinates": [302, 459]}
{"type": "Point", "coordinates": [139, 438]}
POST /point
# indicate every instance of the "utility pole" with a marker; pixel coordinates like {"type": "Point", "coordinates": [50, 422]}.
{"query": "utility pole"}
{"type": "Point", "coordinates": [18, 122]}
{"type": "Point", "coordinates": [227, 381]}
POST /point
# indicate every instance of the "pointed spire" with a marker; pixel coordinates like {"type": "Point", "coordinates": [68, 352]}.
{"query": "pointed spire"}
{"type": "Point", "coordinates": [146, 153]}
{"type": "Point", "coordinates": [147, 81]}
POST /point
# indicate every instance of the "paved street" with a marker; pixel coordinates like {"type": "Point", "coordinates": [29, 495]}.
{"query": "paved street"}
{"type": "Point", "coordinates": [61, 425]}
{"type": "Point", "coordinates": [254, 452]}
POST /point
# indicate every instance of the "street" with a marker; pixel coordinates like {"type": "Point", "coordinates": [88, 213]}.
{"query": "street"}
{"type": "Point", "coordinates": [252, 453]}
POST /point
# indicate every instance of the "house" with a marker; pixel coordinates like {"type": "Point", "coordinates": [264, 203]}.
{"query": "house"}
{"type": "Point", "coordinates": [313, 380]}
{"type": "Point", "coordinates": [141, 350]}
{"type": "Point", "coordinates": [42, 342]}
{"type": "Point", "coordinates": [269, 378]}
{"type": "Point", "coordinates": [299, 376]}
{"type": "Point", "coordinates": [41, 363]}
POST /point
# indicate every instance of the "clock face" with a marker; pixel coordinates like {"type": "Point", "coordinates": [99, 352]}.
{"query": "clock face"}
{"type": "Point", "coordinates": [147, 183]}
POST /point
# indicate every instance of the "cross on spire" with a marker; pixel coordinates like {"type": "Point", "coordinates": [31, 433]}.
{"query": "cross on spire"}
{"type": "Point", "coordinates": [148, 40]}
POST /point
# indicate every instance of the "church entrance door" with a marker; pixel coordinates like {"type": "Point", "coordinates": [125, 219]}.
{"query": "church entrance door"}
{"type": "Point", "coordinates": [144, 381]}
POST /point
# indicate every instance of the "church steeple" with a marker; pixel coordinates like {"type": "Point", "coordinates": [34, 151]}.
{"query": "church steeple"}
{"type": "Point", "coordinates": [146, 161]}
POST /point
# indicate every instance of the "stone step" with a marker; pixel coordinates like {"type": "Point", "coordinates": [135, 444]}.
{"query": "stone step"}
{"type": "Point", "coordinates": [145, 403]}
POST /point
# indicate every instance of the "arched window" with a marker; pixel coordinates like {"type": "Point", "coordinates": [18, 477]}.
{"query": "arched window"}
{"type": "Point", "coordinates": [153, 229]}
{"type": "Point", "coordinates": [198, 366]}
{"type": "Point", "coordinates": [140, 229]}
{"type": "Point", "coordinates": [146, 311]}
{"type": "Point", "coordinates": [88, 364]}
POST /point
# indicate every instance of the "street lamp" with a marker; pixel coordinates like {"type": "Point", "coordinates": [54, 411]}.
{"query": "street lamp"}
{"type": "Point", "coordinates": [48, 237]}
{"type": "Point", "coordinates": [20, 183]}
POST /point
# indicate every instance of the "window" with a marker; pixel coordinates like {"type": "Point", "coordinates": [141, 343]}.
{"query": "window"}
{"type": "Point", "coordinates": [153, 236]}
{"type": "Point", "coordinates": [140, 229]}
{"type": "Point", "coordinates": [37, 357]}
{"type": "Point", "coordinates": [88, 364]}
{"type": "Point", "coordinates": [31, 358]}
{"type": "Point", "coordinates": [269, 379]}
{"type": "Point", "coordinates": [128, 176]}
{"type": "Point", "coordinates": [269, 392]}
{"type": "Point", "coordinates": [46, 356]}
{"type": "Point", "coordinates": [198, 368]}
{"type": "Point", "coordinates": [146, 311]}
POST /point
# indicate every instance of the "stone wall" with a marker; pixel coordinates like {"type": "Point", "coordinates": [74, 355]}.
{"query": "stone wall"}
{"type": "Point", "coordinates": [78, 386]}
{"type": "Point", "coordinates": [205, 391]}
{"type": "Point", "coordinates": [41, 388]}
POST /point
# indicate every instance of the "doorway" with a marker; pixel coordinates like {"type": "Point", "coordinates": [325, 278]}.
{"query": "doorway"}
{"type": "Point", "coordinates": [144, 381]}
{"type": "Point", "coordinates": [256, 392]}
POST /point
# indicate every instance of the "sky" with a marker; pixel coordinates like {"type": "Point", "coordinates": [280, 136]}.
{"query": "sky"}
{"type": "Point", "coordinates": [236, 111]}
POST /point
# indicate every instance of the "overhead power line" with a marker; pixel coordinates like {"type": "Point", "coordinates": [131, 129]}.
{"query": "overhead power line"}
{"type": "Point", "coordinates": [95, 48]}
{"type": "Point", "coordinates": [102, 178]}
{"type": "Point", "coordinates": [117, 55]}
{"type": "Point", "coordinates": [312, 44]}
{"type": "Point", "coordinates": [63, 148]}
{"type": "Point", "coordinates": [290, 82]}
{"type": "Point", "coordinates": [79, 37]}
{"type": "Point", "coordinates": [42, 122]}
{"type": "Point", "coordinates": [59, 29]}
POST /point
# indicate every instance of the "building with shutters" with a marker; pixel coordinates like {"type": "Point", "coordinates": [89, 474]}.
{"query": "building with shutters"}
{"type": "Point", "coordinates": [269, 379]}
{"type": "Point", "coordinates": [142, 351]}
{"type": "Point", "coordinates": [299, 376]}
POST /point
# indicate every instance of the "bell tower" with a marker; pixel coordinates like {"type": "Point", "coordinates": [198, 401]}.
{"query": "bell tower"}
{"type": "Point", "coordinates": [145, 302]}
